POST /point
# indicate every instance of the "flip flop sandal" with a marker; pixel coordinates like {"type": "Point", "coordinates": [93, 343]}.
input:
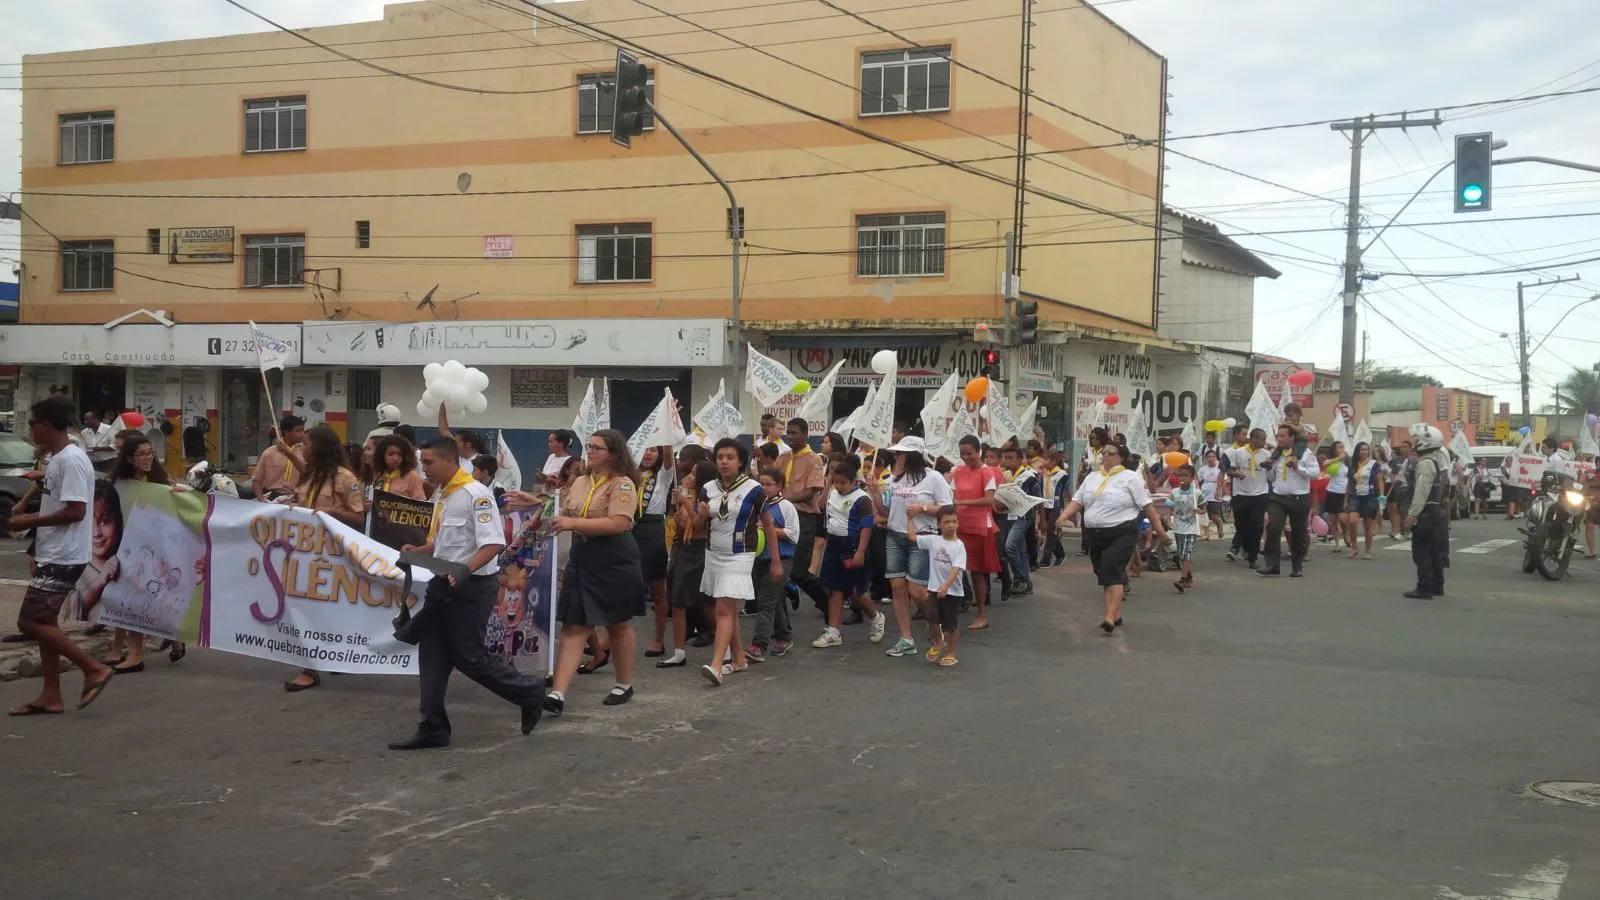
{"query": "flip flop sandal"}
{"type": "Point", "coordinates": [92, 692]}
{"type": "Point", "coordinates": [978, 626]}
{"type": "Point", "coordinates": [934, 653]}
{"type": "Point", "coordinates": [948, 661]}
{"type": "Point", "coordinates": [33, 709]}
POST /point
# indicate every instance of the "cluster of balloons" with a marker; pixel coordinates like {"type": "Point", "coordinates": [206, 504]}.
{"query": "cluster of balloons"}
{"type": "Point", "coordinates": [457, 388]}
{"type": "Point", "coordinates": [1301, 378]}
{"type": "Point", "coordinates": [1221, 424]}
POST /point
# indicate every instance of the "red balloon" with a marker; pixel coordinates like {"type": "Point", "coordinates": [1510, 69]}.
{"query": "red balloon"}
{"type": "Point", "coordinates": [132, 419]}
{"type": "Point", "coordinates": [1112, 399]}
{"type": "Point", "coordinates": [1301, 378]}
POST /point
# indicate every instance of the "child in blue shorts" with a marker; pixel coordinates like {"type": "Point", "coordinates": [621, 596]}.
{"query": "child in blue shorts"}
{"type": "Point", "coordinates": [845, 572]}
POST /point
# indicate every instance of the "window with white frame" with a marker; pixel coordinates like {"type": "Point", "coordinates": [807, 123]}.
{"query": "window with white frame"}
{"type": "Point", "coordinates": [905, 81]}
{"type": "Point", "coordinates": [274, 260]}
{"type": "Point", "coordinates": [611, 253]}
{"type": "Point", "coordinates": [276, 124]}
{"type": "Point", "coordinates": [88, 138]}
{"type": "Point", "coordinates": [88, 265]}
{"type": "Point", "coordinates": [597, 105]}
{"type": "Point", "coordinates": [893, 246]}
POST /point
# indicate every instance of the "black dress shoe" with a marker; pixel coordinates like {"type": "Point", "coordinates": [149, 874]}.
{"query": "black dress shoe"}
{"type": "Point", "coordinates": [531, 716]}
{"type": "Point", "coordinates": [554, 705]}
{"type": "Point", "coordinates": [1418, 595]}
{"type": "Point", "coordinates": [1107, 627]}
{"type": "Point", "coordinates": [702, 640]}
{"type": "Point", "coordinates": [617, 698]}
{"type": "Point", "coordinates": [652, 654]}
{"type": "Point", "coordinates": [1118, 622]}
{"type": "Point", "coordinates": [420, 741]}
{"type": "Point", "coordinates": [1272, 571]}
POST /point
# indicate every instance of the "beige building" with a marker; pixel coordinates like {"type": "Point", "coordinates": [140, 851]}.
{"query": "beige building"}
{"type": "Point", "coordinates": [457, 195]}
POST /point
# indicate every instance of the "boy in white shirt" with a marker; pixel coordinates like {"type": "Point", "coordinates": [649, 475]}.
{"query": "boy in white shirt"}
{"type": "Point", "coordinates": [1183, 502]}
{"type": "Point", "coordinates": [947, 560]}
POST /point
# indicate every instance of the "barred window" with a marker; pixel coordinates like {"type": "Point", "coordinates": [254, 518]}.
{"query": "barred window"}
{"type": "Point", "coordinates": [88, 265]}
{"type": "Point", "coordinates": [893, 246]}
{"type": "Point", "coordinates": [88, 138]}
{"type": "Point", "coordinates": [276, 124]}
{"type": "Point", "coordinates": [610, 253]}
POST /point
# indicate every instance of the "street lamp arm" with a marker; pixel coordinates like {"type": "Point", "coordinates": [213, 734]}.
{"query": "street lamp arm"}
{"type": "Point", "coordinates": [1565, 164]}
{"type": "Point", "coordinates": [1563, 319]}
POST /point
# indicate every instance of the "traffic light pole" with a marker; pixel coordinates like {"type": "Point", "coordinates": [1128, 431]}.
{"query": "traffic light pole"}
{"type": "Point", "coordinates": [735, 344]}
{"type": "Point", "coordinates": [1359, 128]}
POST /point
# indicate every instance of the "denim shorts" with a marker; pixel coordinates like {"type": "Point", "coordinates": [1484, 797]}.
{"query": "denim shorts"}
{"type": "Point", "coordinates": [905, 559]}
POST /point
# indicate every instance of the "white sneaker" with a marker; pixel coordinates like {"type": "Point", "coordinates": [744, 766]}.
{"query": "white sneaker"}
{"type": "Point", "coordinates": [878, 624]}
{"type": "Point", "coordinates": [829, 638]}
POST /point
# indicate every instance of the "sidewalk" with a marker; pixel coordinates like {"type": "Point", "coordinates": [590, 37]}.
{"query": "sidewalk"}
{"type": "Point", "coordinates": [22, 660]}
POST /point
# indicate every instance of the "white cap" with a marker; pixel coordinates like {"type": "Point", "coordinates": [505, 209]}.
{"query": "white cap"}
{"type": "Point", "coordinates": [909, 444]}
{"type": "Point", "coordinates": [388, 414]}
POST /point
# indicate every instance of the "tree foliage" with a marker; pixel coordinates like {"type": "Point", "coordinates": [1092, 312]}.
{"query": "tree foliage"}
{"type": "Point", "coordinates": [1376, 376]}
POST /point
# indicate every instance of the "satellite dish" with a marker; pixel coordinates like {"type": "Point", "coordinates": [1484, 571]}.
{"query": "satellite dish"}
{"type": "Point", "coordinates": [427, 299]}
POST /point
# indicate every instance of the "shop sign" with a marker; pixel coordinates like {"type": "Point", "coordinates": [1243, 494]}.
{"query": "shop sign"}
{"type": "Point", "coordinates": [200, 245]}
{"type": "Point", "coordinates": [675, 343]}
{"type": "Point", "coordinates": [920, 367]}
{"type": "Point", "coordinates": [139, 345]}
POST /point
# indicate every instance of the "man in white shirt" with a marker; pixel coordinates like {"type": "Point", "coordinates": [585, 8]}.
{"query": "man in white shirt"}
{"type": "Point", "coordinates": [63, 536]}
{"type": "Point", "coordinates": [1290, 498]}
{"type": "Point", "coordinates": [98, 438]}
{"type": "Point", "coordinates": [1248, 468]}
{"type": "Point", "coordinates": [455, 612]}
{"type": "Point", "coordinates": [1554, 459]}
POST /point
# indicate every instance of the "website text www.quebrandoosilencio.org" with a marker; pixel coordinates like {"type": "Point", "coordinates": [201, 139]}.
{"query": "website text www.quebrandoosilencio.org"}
{"type": "Point", "coordinates": [318, 653]}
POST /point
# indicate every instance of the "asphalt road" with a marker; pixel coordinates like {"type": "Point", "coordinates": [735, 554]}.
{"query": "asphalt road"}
{"type": "Point", "coordinates": [1254, 738]}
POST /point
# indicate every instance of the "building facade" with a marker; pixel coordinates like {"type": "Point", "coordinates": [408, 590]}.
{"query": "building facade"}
{"type": "Point", "coordinates": [457, 195]}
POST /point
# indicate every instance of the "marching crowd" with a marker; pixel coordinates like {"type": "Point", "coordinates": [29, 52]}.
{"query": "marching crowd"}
{"type": "Point", "coordinates": [702, 538]}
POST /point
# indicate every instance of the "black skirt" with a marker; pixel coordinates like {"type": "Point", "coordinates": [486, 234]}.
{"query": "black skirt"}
{"type": "Point", "coordinates": [650, 533]}
{"type": "Point", "coordinates": [1110, 549]}
{"type": "Point", "coordinates": [603, 585]}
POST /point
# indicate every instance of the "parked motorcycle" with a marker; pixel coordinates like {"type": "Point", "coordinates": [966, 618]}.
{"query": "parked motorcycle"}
{"type": "Point", "coordinates": [1555, 519]}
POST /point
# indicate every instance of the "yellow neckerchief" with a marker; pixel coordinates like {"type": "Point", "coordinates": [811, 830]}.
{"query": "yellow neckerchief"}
{"type": "Point", "coordinates": [457, 481]}
{"type": "Point", "coordinates": [288, 467]}
{"type": "Point", "coordinates": [388, 479]}
{"type": "Point", "coordinates": [1101, 488]}
{"type": "Point", "coordinates": [1017, 475]}
{"type": "Point", "coordinates": [1288, 460]}
{"type": "Point", "coordinates": [788, 470]}
{"type": "Point", "coordinates": [1250, 452]}
{"type": "Point", "coordinates": [594, 485]}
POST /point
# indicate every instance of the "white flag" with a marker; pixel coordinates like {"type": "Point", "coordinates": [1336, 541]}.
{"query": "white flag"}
{"type": "Point", "coordinates": [587, 421]}
{"type": "Point", "coordinates": [936, 416]}
{"type": "Point", "coordinates": [1191, 436]}
{"type": "Point", "coordinates": [960, 427]}
{"type": "Point", "coordinates": [1459, 448]}
{"type": "Point", "coordinates": [1363, 435]}
{"type": "Point", "coordinates": [271, 353]}
{"type": "Point", "coordinates": [1026, 420]}
{"type": "Point", "coordinates": [718, 418]}
{"type": "Point", "coordinates": [604, 418]}
{"type": "Point", "coordinates": [1340, 433]}
{"type": "Point", "coordinates": [875, 424]}
{"type": "Point", "coordinates": [767, 379]}
{"type": "Point", "coordinates": [657, 430]}
{"type": "Point", "coordinates": [819, 402]}
{"type": "Point", "coordinates": [509, 475]}
{"type": "Point", "coordinates": [1586, 442]}
{"type": "Point", "coordinates": [1139, 442]}
{"type": "Point", "coordinates": [1257, 409]}
{"type": "Point", "coordinates": [846, 426]}
{"type": "Point", "coordinates": [1002, 424]}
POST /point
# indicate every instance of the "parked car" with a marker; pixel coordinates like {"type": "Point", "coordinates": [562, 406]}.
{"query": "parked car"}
{"type": "Point", "coordinates": [16, 457]}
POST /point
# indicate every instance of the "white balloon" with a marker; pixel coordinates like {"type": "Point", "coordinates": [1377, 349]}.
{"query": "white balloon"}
{"type": "Point", "coordinates": [431, 371]}
{"type": "Point", "coordinates": [477, 380]}
{"type": "Point", "coordinates": [430, 400]}
{"type": "Point", "coordinates": [455, 395]}
{"type": "Point", "coordinates": [424, 411]}
{"type": "Point", "coordinates": [1230, 421]}
{"type": "Point", "coordinates": [454, 367]}
{"type": "Point", "coordinates": [885, 361]}
{"type": "Point", "coordinates": [476, 402]}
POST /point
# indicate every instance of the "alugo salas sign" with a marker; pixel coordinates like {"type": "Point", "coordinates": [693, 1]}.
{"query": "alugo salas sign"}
{"type": "Point", "coordinates": [920, 367]}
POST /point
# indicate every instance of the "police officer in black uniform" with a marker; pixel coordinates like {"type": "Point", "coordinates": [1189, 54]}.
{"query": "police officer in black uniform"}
{"type": "Point", "coordinates": [1425, 517]}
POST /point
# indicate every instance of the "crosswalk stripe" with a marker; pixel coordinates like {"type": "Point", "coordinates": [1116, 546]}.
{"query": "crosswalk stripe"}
{"type": "Point", "coordinates": [1490, 546]}
{"type": "Point", "coordinates": [1406, 544]}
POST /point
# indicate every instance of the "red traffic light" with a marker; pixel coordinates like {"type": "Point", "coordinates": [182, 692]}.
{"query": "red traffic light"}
{"type": "Point", "coordinates": [991, 358]}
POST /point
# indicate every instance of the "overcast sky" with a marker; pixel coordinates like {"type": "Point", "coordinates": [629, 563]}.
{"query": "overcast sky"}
{"type": "Point", "coordinates": [1239, 64]}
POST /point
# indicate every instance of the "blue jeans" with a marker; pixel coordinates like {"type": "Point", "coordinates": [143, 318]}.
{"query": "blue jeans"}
{"type": "Point", "coordinates": [1016, 549]}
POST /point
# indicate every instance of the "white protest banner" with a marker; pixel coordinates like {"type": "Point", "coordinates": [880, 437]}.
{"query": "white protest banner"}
{"type": "Point", "coordinates": [258, 579]}
{"type": "Point", "coordinates": [1014, 499]}
{"type": "Point", "coordinates": [1191, 436]}
{"type": "Point", "coordinates": [1139, 442]}
{"type": "Point", "coordinates": [960, 427]}
{"type": "Point", "coordinates": [1363, 434]}
{"type": "Point", "coordinates": [271, 353]}
{"type": "Point", "coordinates": [937, 414]}
{"type": "Point", "coordinates": [1339, 433]}
{"type": "Point", "coordinates": [657, 430]}
{"type": "Point", "coordinates": [1261, 410]}
{"type": "Point", "coordinates": [1459, 448]}
{"type": "Point", "coordinates": [1002, 424]}
{"type": "Point", "coordinates": [818, 401]}
{"type": "Point", "coordinates": [1527, 469]}
{"type": "Point", "coordinates": [509, 473]}
{"type": "Point", "coordinates": [1030, 414]}
{"type": "Point", "coordinates": [719, 418]}
{"type": "Point", "coordinates": [766, 379]}
{"type": "Point", "coordinates": [587, 421]}
{"type": "Point", "coordinates": [874, 424]}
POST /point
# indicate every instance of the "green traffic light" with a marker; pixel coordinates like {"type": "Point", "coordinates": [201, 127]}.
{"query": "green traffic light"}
{"type": "Point", "coordinates": [1472, 193]}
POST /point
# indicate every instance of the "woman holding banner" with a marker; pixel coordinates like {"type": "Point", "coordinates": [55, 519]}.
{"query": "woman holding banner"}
{"type": "Point", "coordinates": [603, 586]}
{"type": "Point", "coordinates": [326, 485]}
{"type": "Point", "coordinates": [136, 461]}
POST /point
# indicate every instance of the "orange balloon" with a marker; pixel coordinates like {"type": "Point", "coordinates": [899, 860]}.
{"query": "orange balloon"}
{"type": "Point", "coordinates": [977, 389]}
{"type": "Point", "coordinates": [1174, 459]}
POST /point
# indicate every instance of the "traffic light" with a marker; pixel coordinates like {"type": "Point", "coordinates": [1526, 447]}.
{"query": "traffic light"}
{"type": "Point", "coordinates": [1026, 322]}
{"type": "Point", "coordinates": [631, 99]}
{"type": "Point", "coordinates": [1474, 172]}
{"type": "Point", "coordinates": [991, 365]}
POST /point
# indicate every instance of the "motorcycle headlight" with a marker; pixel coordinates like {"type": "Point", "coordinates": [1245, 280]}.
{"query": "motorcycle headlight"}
{"type": "Point", "coordinates": [1573, 498]}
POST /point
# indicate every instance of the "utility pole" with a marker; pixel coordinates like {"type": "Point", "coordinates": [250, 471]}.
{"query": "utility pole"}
{"type": "Point", "coordinates": [1009, 344]}
{"type": "Point", "coordinates": [1522, 341]}
{"type": "Point", "coordinates": [1359, 128]}
{"type": "Point", "coordinates": [1365, 342]}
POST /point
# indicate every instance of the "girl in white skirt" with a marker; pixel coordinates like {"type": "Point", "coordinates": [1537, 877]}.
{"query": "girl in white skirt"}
{"type": "Point", "coordinates": [732, 507]}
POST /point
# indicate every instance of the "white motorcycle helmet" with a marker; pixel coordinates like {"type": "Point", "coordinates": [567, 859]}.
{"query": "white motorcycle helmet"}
{"type": "Point", "coordinates": [1425, 438]}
